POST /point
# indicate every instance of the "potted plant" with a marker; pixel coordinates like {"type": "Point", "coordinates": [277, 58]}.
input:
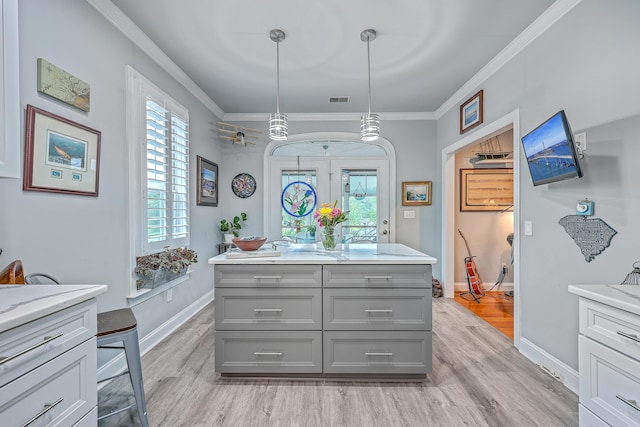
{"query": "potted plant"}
{"type": "Point", "coordinates": [176, 261]}
{"type": "Point", "coordinates": [161, 267]}
{"type": "Point", "coordinates": [230, 228]}
{"type": "Point", "coordinates": [149, 270]}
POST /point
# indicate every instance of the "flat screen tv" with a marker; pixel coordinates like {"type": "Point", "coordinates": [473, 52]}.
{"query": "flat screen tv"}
{"type": "Point", "coordinates": [551, 152]}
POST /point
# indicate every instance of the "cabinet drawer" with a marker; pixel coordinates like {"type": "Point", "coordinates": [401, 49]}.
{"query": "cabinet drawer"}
{"type": "Point", "coordinates": [616, 328]}
{"type": "Point", "coordinates": [268, 352]}
{"type": "Point", "coordinates": [609, 383]}
{"type": "Point", "coordinates": [268, 309]}
{"type": "Point", "coordinates": [377, 309]}
{"type": "Point", "coordinates": [56, 393]}
{"type": "Point", "coordinates": [586, 418]}
{"type": "Point", "coordinates": [368, 352]}
{"type": "Point", "coordinates": [377, 276]}
{"type": "Point", "coordinates": [30, 345]}
{"type": "Point", "coordinates": [268, 276]}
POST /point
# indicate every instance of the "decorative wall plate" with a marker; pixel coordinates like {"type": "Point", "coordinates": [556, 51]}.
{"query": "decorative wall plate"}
{"type": "Point", "coordinates": [298, 199]}
{"type": "Point", "coordinates": [243, 185]}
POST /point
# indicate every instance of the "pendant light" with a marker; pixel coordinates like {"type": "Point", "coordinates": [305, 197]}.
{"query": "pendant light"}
{"type": "Point", "coordinates": [370, 122]}
{"type": "Point", "coordinates": [278, 125]}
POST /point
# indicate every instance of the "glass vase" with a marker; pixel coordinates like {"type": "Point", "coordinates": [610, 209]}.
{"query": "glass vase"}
{"type": "Point", "coordinates": [329, 238]}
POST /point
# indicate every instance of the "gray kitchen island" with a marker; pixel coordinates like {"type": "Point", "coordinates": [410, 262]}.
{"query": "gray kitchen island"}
{"type": "Point", "coordinates": [302, 311]}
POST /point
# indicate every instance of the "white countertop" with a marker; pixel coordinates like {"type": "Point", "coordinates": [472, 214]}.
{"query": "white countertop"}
{"type": "Point", "coordinates": [380, 253]}
{"type": "Point", "coordinates": [20, 304]}
{"type": "Point", "coordinates": [624, 297]}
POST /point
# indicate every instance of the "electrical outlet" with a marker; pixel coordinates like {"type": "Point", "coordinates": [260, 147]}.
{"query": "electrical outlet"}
{"type": "Point", "coordinates": [168, 295]}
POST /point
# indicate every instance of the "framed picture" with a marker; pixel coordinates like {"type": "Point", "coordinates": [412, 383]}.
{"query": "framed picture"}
{"type": "Point", "coordinates": [60, 156]}
{"type": "Point", "coordinates": [59, 84]}
{"type": "Point", "coordinates": [485, 190]}
{"type": "Point", "coordinates": [207, 183]}
{"type": "Point", "coordinates": [471, 112]}
{"type": "Point", "coordinates": [415, 193]}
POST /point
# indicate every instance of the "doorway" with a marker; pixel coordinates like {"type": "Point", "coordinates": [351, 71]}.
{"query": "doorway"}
{"type": "Point", "coordinates": [450, 235]}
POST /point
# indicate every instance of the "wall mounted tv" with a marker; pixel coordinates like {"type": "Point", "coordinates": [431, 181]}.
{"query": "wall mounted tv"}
{"type": "Point", "coordinates": [551, 152]}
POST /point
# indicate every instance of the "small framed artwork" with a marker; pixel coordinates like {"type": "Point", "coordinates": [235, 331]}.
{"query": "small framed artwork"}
{"type": "Point", "coordinates": [57, 83]}
{"type": "Point", "coordinates": [486, 190]}
{"type": "Point", "coordinates": [60, 156]}
{"type": "Point", "coordinates": [207, 183]}
{"type": "Point", "coordinates": [415, 193]}
{"type": "Point", "coordinates": [471, 112]}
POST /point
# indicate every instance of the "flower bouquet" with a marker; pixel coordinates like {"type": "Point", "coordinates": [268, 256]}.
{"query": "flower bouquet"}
{"type": "Point", "coordinates": [328, 217]}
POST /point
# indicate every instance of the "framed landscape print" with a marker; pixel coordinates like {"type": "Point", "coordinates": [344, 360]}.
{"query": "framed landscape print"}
{"type": "Point", "coordinates": [415, 193]}
{"type": "Point", "coordinates": [207, 183]}
{"type": "Point", "coordinates": [483, 190]}
{"type": "Point", "coordinates": [472, 112]}
{"type": "Point", "coordinates": [60, 156]}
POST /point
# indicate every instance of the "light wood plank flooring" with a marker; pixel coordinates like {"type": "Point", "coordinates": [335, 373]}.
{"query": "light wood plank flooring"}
{"type": "Point", "coordinates": [478, 379]}
{"type": "Point", "coordinates": [494, 308]}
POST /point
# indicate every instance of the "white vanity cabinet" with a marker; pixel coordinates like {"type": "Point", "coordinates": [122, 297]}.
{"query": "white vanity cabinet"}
{"type": "Point", "coordinates": [609, 354]}
{"type": "Point", "coordinates": [48, 360]}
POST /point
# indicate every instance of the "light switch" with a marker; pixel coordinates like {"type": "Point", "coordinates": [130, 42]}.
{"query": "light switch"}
{"type": "Point", "coordinates": [409, 214]}
{"type": "Point", "coordinates": [528, 228]}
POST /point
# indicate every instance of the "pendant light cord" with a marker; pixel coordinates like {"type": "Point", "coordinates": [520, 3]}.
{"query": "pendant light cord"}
{"type": "Point", "coordinates": [369, 70]}
{"type": "Point", "coordinates": [278, 75]}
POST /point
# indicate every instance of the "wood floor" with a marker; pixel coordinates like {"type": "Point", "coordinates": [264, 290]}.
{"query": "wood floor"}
{"type": "Point", "coordinates": [478, 379]}
{"type": "Point", "coordinates": [494, 308]}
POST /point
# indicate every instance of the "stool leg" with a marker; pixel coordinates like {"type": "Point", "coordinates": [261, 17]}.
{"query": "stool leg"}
{"type": "Point", "coordinates": [132, 352]}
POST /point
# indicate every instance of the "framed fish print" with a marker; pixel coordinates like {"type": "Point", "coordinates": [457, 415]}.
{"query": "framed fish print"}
{"type": "Point", "coordinates": [60, 156]}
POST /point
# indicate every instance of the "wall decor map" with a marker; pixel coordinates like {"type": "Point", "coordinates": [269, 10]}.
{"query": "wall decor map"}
{"type": "Point", "coordinates": [592, 235]}
{"type": "Point", "coordinates": [59, 84]}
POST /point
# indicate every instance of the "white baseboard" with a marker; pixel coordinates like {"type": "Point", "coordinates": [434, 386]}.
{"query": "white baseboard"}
{"type": "Point", "coordinates": [118, 364]}
{"type": "Point", "coordinates": [551, 365]}
{"type": "Point", "coordinates": [463, 286]}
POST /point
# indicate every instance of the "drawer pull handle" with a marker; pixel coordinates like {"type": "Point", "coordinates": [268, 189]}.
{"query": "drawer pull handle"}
{"type": "Point", "coordinates": [378, 277]}
{"type": "Point", "coordinates": [27, 350]}
{"type": "Point", "coordinates": [379, 354]}
{"type": "Point", "coordinates": [266, 353]}
{"type": "Point", "coordinates": [629, 402]}
{"type": "Point", "coordinates": [630, 336]}
{"type": "Point", "coordinates": [267, 310]}
{"type": "Point", "coordinates": [47, 408]}
{"type": "Point", "coordinates": [371, 310]}
{"type": "Point", "coordinates": [267, 277]}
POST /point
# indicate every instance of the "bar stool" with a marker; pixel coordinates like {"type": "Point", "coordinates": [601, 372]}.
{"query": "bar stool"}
{"type": "Point", "coordinates": [116, 326]}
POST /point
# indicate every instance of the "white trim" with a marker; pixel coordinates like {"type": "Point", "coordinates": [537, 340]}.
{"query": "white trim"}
{"type": "Point", "coordinates": [511, 120]}
{"type": "Point", "coordinates": [10, 143]}
{"type": "Point", "coordinates": [118, 364]}
{"type": "Point", "coordinates": [314, 117]}
{"type": "Point", "coordinates": [556, 11]}
{"type": "Point", "coordinates": [122, 22]}
{"type": "Point", "coordinates": [548, 363]}
{"type": "Point", "coordinates": [463, 286]}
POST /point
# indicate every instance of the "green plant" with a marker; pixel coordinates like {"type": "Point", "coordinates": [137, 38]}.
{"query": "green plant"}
{"type": "Point", "coordinates": [234, 225]}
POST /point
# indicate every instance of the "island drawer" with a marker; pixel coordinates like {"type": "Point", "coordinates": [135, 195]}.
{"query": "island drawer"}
{"type": "Point", "coordinates": [27, 346]}
{"type": "Point", "coordinates": [268, 309]}
{"type": "Point", "coordinates": [377, 309]}
{"type": "Point", "coordinates": [54, 393]}
{"type": "Point", "coordinates": [384, 352]}
{"type": "Point", "coordinates": [377, 276]}
{"type": "Point", "coordinates": [268, 352]}
{"type": "Point", "coordinates": [268, 276]}
{"type": "Point", "coordinates": [609, 383]}
{"type": "Point", "coordinates": [616, 328]}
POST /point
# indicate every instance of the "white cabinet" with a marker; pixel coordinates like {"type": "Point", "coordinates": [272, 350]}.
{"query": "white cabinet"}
{"type": "Point", "coordinates": [48, 362]}
{"type": "Point", "coordinates": [609, 362]}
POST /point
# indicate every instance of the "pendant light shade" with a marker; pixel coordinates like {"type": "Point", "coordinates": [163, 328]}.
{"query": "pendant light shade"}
{"type": "Point", "coordinates": [278, 124]}
{"type": "Point", "coordinates": [370, 122]}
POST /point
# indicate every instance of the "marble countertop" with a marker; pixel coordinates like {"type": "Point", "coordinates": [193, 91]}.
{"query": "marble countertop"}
{"type": "Point", "coordinates": [20, 304]}
{"type": "Point", "coordinates": [624, 297]}
{"type": "Point", "coordinates": [377, 253]}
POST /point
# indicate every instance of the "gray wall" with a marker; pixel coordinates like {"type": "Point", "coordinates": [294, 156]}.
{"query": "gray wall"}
{"type": "Point", "coordinates": [82, 239]}
{"type": "Point", "coordinates": [586, 64]}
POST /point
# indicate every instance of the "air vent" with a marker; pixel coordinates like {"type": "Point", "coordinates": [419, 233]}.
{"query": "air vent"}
{"type": "Point", "coordinates": [333, 99]}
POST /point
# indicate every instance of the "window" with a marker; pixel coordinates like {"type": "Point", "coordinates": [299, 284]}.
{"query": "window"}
{"type": "Point", "coordinates": [160, 172]}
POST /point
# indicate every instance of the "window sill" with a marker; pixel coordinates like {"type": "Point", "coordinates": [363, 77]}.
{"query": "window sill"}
{"type": "Point", "coordinates": [143, 295]}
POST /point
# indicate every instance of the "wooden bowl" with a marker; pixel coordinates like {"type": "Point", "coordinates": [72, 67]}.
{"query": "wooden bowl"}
{"type": "Point", "coordinates": [249, 244]}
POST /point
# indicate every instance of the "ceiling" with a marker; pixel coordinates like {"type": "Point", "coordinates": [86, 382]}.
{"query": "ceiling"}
{"type": "Point", "coordinates": [424, 52]}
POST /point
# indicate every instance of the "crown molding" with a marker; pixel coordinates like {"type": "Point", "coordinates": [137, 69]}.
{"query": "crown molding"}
{"type": "Point", "coordinates": [556, 11]}
{"type": "Point", "coordinates": [320, 117]}
{"type": "Point", "coordinates": [119, 20]}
